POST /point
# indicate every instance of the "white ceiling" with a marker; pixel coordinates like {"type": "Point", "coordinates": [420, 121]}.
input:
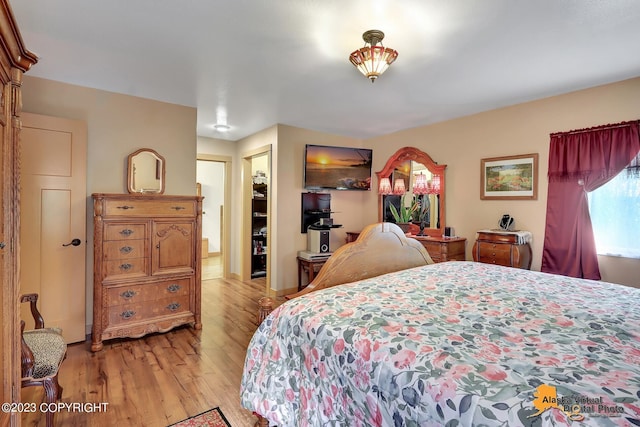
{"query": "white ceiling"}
{"type": "Point", "coordinates": [254, 63]}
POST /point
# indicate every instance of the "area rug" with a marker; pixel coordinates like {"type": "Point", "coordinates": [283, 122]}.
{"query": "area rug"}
{"type": "Point", "coordinates": [211, 418]}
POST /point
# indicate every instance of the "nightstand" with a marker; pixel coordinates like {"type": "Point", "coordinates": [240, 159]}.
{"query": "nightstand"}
{"type": "Point", "coordinates": [508, 248]}
{"type": "Point", "coordinates": [311, 267]}
{"type": "Point", "coordinates": [442, 249]}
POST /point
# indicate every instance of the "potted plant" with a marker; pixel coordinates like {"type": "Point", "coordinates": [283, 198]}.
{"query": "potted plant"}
{"type": "Point", "coordinates": [404, 216]}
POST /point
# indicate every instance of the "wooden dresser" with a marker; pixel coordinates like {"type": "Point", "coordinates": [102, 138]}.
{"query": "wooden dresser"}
{"type": "Point", "coordinates": [502, 248]}
{"type": "Point", "coordinates": [442, 249]}
{"type": "Point", "coordinates": [146, 264]}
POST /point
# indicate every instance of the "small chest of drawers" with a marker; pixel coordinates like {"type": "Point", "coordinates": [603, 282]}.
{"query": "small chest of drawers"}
{"type": "Point", "coordinates": [502, 248]}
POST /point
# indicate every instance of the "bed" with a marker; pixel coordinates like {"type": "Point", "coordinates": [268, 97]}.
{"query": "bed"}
{"type": "Point", "coordinates": [456, 343]}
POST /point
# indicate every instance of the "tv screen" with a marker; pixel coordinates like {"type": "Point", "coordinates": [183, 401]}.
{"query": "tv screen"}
{"type": "Point", "coordinates": [337, 168]}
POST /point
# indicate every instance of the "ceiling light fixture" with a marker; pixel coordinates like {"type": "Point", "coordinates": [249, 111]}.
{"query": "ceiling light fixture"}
{"type": "Point", "coordinates": [373, 60]}
{"type": "Point", "coordinates": [221, 128]}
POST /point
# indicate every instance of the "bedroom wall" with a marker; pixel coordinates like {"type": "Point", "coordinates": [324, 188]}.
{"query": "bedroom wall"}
{"type": "Point", "coordinates": [118, 125]}
{"type": "Point", "coordinates": [347, 205]}
{"type": "Point", "coordinates": [287, 153]}
{"type": "Point", "coordinates": [519, 129]}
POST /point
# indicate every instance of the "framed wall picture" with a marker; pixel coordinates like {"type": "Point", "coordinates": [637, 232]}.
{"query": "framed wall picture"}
{"type": "Point", "coordinates": [509, 178]}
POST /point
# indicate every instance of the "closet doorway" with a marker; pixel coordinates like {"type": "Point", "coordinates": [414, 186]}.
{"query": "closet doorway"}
{"type": "Point", "coordinates": [257, 192]}
{"type": "Point", "coordinates": [213, 175]}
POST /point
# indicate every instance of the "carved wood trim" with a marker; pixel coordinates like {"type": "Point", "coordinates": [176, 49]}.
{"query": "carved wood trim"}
{"type": "Point", "coordinates": [379, 249]}
{"type": "Point", "coordinates": [14, 60]}
{"type": "Point", "coordinates": [405, 154]}
{"type": "Point", "coordinates": [410, 153]}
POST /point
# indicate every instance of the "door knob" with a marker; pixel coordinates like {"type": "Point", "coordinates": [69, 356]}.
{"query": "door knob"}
{"type": "Point", "coordinates": [74, 242]}
{"type": "Point", "coordinates": [2, 245]}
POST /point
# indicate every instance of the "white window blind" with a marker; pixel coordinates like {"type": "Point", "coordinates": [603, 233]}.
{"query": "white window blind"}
{"type": "Point", "coordinates": [615, 213]}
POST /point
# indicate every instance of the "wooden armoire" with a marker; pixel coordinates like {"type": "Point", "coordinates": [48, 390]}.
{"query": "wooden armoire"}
{"type": "Point", "coordinates": [15, 59]}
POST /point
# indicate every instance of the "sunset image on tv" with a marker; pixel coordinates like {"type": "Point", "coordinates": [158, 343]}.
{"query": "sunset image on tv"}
{"type": "Point", "coordinates": [337, 168]}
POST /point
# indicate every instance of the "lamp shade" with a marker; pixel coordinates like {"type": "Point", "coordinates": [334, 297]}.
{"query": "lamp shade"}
{"type": "Point", "coordinates": [385, 187]}
{"type": "Point", "coordinates": [435, 185]}
{"type": "Point", "coordinates": [420, 185]}
{"type": "Point", "coordinates": [398, 187]}
{"type": "Point", "coordinates": [373, 60]}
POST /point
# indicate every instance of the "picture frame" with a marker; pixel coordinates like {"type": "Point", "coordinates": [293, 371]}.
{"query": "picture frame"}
{"type": "Point", "coordinates": [509, 177]}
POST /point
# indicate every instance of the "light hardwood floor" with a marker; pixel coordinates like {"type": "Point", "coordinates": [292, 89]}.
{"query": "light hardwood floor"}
{"type": "Point", "coordinates": [161, 379]}
{"type": "Point", "coordinates": [212, 267]}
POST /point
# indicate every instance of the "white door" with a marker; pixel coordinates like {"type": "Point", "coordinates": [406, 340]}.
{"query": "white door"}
{"type": "Point", "coordinates": [53, 220]}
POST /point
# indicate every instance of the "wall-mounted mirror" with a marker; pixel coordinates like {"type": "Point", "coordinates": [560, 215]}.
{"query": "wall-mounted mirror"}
{"type": "Point", "coordinates": [145, 172]}
{"type": "Point", "coordinates": [411, 179]}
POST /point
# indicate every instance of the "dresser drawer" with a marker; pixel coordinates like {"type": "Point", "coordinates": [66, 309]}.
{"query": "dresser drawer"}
{"type": "Point", "coordinates": [121, 268]}
{"type": "Point", "coordinates": [123, 249]}
{"type": "Point", "coordinates": [434, 249]}
{"type": "Point", "coordinates": [155, 208]}
{"type": "Point", "coordinates": [124, 231]}
{"type": "Point", "coordinates": [494, 253]}
{"type": "Point", "coordinates": [150, 292]}
{"type": "Point", "coordinates": [497, 237]}
{"type": "Point", "coordinates": [456, 250]}
{"type": "Point", "coordinates": [143, 311]}
{"type": "Point", "coordinates": [443, 249]}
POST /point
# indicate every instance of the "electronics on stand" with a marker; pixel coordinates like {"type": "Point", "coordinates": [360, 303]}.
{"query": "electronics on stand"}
{"type": "Point", "coordinates": [317, 240]}
{"type": "Point", "coordinates": [314, 256]}
{"type": "Point", "coordinates": [319, 237]}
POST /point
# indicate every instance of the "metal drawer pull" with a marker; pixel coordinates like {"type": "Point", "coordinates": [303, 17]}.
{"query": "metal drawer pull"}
{"type": "Point", "coordinates": [178, 208]}
{"type": "Point", "coordinates": [127, 314]}
{"type": "Point", "coordinates": [125, 267]}
{"type": "Point", "coordinates": [128, 294]}
{"type": "Point", "coordinates": [126, 232]}
{"type": "Point", "coordinates": [125, 207]}
{"type": "Point", "coordinates": [126, 249]}
{"type": "Point", "coordinates": [173, 288]}
{"type": "Point", "coordinates": [173, 306]}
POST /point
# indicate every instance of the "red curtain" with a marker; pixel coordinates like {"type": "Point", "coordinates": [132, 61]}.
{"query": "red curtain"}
{"type": "Point", "coordinates": [581, 161]}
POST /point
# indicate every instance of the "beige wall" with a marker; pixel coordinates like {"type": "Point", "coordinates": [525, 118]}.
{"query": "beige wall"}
{"type": "Point", "coordinates": [520, 129]}
{"type": "Point", "coordinates": [347, 205]}
{"type": "Point", "coordinates": [118, 125]}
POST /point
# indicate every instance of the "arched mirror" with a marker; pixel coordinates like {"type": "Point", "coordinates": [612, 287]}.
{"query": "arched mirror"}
{"type": "Point", "coordinates": [145, 172]}
{"type": "Point", "coordinates": [411, 189]}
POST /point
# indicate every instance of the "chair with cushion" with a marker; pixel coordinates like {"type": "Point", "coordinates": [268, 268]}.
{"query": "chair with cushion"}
{"type": "Point", "coordinates": [43, 350]}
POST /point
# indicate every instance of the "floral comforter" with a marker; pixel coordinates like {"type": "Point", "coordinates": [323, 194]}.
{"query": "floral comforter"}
{"type": "Point", "coordinates": [455, 343]}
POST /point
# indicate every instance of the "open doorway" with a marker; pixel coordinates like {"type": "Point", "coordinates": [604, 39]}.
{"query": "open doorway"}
{"type": "Point", "coordinates": [257, 192]}
{"type": "Point", "coordinates": [212, 174]}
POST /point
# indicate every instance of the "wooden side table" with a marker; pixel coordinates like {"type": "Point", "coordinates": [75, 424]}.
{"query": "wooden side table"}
{"type": "Point", "coordinates": [311, 267]}
{"type": "Point", "coordinates": [502, 248]}
{"type": "Point", "coordinates": [442, 249]}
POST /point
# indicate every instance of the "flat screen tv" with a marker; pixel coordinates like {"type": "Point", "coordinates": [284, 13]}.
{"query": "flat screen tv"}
{"type": "Point", "coordinates": [337, 168]}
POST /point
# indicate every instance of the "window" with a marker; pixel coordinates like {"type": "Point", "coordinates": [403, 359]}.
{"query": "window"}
{"type": "Point", "coordinates": [615, 213]}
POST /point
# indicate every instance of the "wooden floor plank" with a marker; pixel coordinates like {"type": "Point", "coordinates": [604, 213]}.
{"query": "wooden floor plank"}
{"type": "Point", "coordinates": [161, 379]}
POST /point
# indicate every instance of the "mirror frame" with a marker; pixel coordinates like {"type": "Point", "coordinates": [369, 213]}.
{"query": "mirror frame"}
{"type": "Point", "coordinates": [160, 173]}
{"type": "Point", "coordinates": [403, 155]}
